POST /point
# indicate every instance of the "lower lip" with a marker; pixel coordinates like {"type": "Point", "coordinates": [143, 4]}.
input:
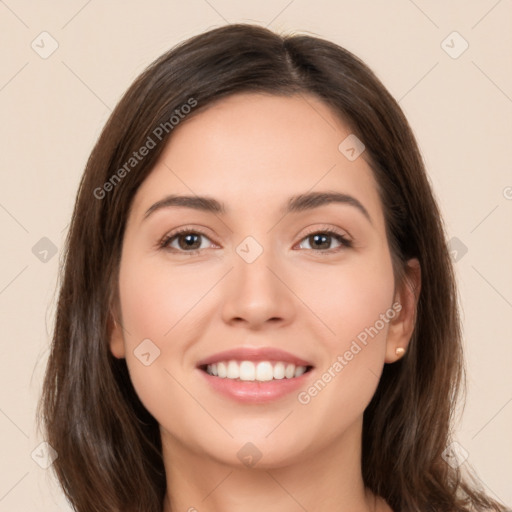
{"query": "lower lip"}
{"type": "Point", "coordinates": [255, 391]}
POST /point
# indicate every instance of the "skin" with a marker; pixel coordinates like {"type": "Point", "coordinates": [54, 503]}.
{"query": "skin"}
{"type": "Point", "coordinates": [252, 152]}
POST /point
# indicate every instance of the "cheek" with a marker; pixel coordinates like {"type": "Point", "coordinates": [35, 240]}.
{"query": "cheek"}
{"type": "Point", "coordinates": [156, 299]}
{"type": "Point", "coordinates": [357, 306]}
{"type": "Point", "coordinates": [162, 312]}
{"type": "Point", "coordinates": [353, 298]}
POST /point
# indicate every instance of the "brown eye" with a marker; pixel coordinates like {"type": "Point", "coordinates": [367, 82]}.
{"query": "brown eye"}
{"type": "Point", "coordinates": [189, 241]}
{"type": "Point", "coordinates": [322, 241]}
{"type": "Point", "coordinates": [184, 241]}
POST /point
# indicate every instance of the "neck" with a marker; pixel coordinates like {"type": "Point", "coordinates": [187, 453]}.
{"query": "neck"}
{"type": "Point", "coordinates": [328, 481]}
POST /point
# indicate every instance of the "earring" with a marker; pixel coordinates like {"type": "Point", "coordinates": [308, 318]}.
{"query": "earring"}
{"type": "Point", "coordinates": [400, 351]}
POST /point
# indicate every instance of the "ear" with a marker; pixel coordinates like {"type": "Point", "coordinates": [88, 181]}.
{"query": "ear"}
{"type": "Point", "coordinates": [116, 341]}
{"type": "Point", "coordinates": [405, 303]}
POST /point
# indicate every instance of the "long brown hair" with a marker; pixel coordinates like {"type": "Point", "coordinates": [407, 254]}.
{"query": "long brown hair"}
{"type": "Point", "coordinates": [108, 445]}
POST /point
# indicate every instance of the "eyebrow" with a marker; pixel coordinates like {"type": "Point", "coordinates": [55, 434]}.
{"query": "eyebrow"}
{"type": "Point", "coordinates": [295, 204]}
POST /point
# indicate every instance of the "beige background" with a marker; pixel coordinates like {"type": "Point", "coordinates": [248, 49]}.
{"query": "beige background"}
{"type": "Point", "coordinates": [52, 110]}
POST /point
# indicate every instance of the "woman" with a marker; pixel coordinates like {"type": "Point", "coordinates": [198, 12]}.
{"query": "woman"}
{"type": "Point", "coordinates": [258, 309]}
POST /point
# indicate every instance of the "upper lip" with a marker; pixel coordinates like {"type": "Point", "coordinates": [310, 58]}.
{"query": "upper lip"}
{"type": "Point", "coordinates": [254, 354]}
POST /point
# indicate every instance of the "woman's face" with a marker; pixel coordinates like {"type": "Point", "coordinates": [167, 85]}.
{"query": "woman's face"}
{"type": "Point", "coordinates": [267, 270]}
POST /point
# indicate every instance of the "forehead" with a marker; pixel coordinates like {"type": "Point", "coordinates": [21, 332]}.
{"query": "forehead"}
{"type": "Point", "coordinates": [254, 149]}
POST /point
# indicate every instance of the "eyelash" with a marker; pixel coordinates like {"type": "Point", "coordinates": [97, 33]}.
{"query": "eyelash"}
{"type": "Point", "coordinates": [345, 242]}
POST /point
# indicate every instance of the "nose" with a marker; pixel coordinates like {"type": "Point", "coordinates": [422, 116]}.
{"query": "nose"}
{"type": "Point", "coordinates": [259, 293]}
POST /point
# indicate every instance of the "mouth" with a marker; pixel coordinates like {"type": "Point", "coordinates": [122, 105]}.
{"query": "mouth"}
{"type": "Point", "coordinates": [255, 371]}
{"type": "Point", "coordinates": [255, 375]}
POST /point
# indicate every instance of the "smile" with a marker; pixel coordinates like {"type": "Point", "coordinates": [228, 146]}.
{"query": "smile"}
{"type": "Point", "coordinates": [262, 371]}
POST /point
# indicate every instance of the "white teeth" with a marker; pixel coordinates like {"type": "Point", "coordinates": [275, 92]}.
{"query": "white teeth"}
{"type": "Point", "coordinates": [222, 371]}
{"type": "Point", "coordinates": [279, 371]}
{"type": "Point", "coordinates": [247, 370]}
{"type": "Point", "coordinates": [264, 371]}
{"type": "Point", "coordinates": [289, 372]}
{"type": "Point", "coordinates": [233, 371]}
{"type": "Point", "coordinates": [299, 371]}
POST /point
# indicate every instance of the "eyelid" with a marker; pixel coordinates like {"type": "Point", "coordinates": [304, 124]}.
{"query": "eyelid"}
{"type": "Point", "coordinates": [328, 228]}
